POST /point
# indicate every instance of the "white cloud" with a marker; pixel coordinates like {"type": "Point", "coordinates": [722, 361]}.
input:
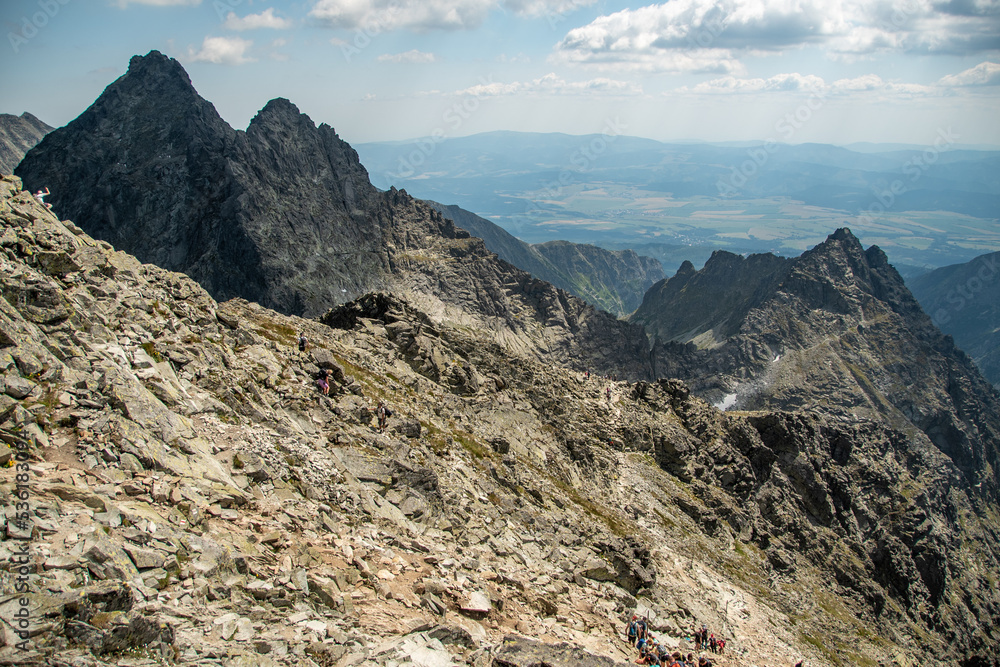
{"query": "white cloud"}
{"type": "Point", "coordinates": [983, 74]}
{"type": "Point", "coordinates": [780, 83]}
{"type": "Point", "coordinates": [694, 35]}
{"type": "Point", "coordinates": [551, 84]}
{"type": "Point", "coordinates": [266, 19]}
{"type": "Point", "coordinates": [377, 16]}
{"type": "Point", "coordinates": [874, 83]}
{"type": "Point", "coordinates": [159, 3]}
{"type": "Point", "coordinates": [412, 56]}
{"type": "Point", "coordinates": [794, 82]}
{"type": "Point", "coordinates": [222, 51]}
{"type": "Point", "coordinates": [547, 8]}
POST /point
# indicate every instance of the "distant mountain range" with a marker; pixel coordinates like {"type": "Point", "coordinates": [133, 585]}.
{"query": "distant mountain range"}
{"type": "Point", "coordinates": [613, 280]}
{"type": "Point", "coordinates": [928, 206]}
{"type": "Point", "coordinates": [964, 301]}
{"type": "Point", "coordinates": [17, 135]}
{"type": "Point", "coordinates": [948, 178]}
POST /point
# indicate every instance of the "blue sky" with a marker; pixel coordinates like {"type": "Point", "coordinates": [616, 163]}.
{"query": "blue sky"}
{"type": "Point", "coordinates": [716, 70]}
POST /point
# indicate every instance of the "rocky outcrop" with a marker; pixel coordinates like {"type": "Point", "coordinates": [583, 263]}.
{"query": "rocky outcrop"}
{"type": "Point", "coordinates": [17, 135]}
{"type": "Point", "coordinates": [284, 215]}
{"type": "Point", "coordinates": [708, 306]}
{"type": "Point", "coordinates": [963, 300]}
{"type": "Point", "coordinates": [517, 651]}
{"type": "Point", "coordinates": [192, 495]}
{"type": "Point", "coordinates": [836, 330]}
{"type": "Point", "coordinates": [613, 280]}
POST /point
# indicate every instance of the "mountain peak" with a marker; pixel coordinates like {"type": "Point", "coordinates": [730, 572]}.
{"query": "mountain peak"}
{"type": "Point", "coordinates": [844, 234]}
{"type": "Point", "coordinates": [281, 112]}
{"type": "Point", "coordinates": [155, 64]}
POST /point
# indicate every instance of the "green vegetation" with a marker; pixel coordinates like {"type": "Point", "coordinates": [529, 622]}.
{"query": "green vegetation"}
{"type": "Point", "coordinates": [276, 331]}
{"type": "Point", "coordinates": [150, 349]}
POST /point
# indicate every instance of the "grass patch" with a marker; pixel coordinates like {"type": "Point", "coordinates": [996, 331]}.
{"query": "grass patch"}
{"type": "Point", "coordinates": [277, 332]}
{"type": "Point", "coordinates": [150, 349]}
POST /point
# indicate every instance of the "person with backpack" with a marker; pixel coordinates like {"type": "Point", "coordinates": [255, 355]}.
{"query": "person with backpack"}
{"type": "Point", "coordinates": [303, 341]}
{"type": "Point", "coordinates": [383, 413]}
{"type": "Point", "coordinates": [632, 631]}
{"type": "Point", "coordinates": [722, 645]}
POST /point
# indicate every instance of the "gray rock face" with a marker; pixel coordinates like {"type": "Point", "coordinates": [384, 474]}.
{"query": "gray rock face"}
{"type": "Point", "coordinates": [284, 215]}
{"type": "Point", "coordinates": [964, 301]}
{"type": "Point", "coordinates": [708, 306]}
{"type": "Point", "coordinates": [17, 136]}
{"type": "Point", "coordinates": [834, 330]}
{"type": "Point", "coordinates": [613, 280]}
{"type": "Point", "coordinates": [516, 651]}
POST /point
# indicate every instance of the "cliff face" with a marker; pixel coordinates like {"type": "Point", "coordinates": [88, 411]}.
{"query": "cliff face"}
{"type": "Point", "coordinates": [964, 301]}
{"type": "Point", "coordinates": [614, 281]}
{"type": "Point", "coordinates": [284, 214]}
{"type": "Point", "coordinates": [836, 330]}
{"type": "Point", "coordinates": [193, 496]}
{"type": "Point", "coordinates": [708, 306]}
{"type": "Point", "coordinates": [17, 135]}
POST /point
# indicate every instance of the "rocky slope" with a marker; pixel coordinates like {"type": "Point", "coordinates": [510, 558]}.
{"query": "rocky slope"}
{"type": "Point", "coordinates": [284, 215]}
{"type": "Point", "coordinates": [836, 330]}
{"type": "Point", "coordinates": [17, 135]}
{"type": "Point", "coordinates": [708, 306]}
{"type": "Point", "coordinates": [964, 301]}
{"type": "Point", "coordinates": [190, 496]}
{"type": "Point", "coordinates": [612, 280]}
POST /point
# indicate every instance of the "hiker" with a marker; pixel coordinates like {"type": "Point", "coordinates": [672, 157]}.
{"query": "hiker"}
{"type": "Point", "coordinates": [713, 643]}
{"type": "Point", "coordinates": [323, 382]}
{"type": "Point", "coordinates": [632, 632]}
{"type": "Point", "coordinates": [697, 638]}
{"type": "Point", "coordinates": [607, 392]}
{"type": "Point", "coordinates": [722, 645]}
{"type": "Point", "coordinates": [40, 196]}
{"type": "Point", "coordinates": [303, 341]}
{"type": "Point", "coordinates": [383, 414]}
{"type": "Point", "coordinates": [704, 662]}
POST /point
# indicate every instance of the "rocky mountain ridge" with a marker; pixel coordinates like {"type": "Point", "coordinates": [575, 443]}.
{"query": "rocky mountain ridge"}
{"type": "Point", "coordinates": [834, 330]}
{"type": "Point", "coordinates": [964, 301]}
{"type": "Point", "coordinates": [17, 135]}
{"type": "Point", "coordinates": [194, 498]}
{"type": "Point", "coordinates": [284, 215]}
{"type": "Point", "coordinates": [612, 280]}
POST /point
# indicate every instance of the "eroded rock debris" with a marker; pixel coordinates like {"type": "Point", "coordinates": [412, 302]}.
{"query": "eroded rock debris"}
{"type": "Point", "coordinates": [191, 498]}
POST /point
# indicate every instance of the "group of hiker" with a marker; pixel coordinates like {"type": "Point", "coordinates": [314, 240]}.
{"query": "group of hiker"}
{"type": "Point", "coordinates": [382, 412]}
{"type": "Point", "coordinates": [653, 652]}
{"type": "Point", "coordinates": [706, 641]}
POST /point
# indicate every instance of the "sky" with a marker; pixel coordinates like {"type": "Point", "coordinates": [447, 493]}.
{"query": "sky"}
{"type": "Point", "coordinates": [378, 70]}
